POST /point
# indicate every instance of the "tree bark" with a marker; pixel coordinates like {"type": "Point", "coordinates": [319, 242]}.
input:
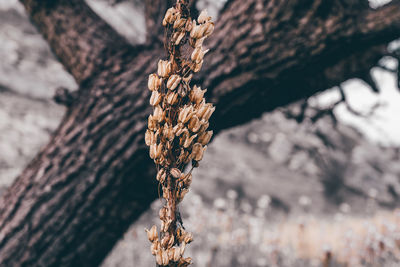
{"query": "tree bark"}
{"type": "Point", "coordinates": [94, 178]}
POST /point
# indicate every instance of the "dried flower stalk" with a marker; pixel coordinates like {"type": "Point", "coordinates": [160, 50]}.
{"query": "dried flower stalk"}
{"type": "Point", "coordinates": [177, 130]}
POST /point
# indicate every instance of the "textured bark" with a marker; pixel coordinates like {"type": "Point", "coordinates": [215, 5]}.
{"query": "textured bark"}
{"type": "Point", "coordinates": [94, 178]}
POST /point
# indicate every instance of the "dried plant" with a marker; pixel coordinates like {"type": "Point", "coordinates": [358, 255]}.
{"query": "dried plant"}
{"type": "Point", "coordinates": [177, 130]}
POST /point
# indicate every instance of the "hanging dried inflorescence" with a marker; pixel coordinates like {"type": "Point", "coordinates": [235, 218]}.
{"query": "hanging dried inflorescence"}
{"type": "Point", "coordinates": [177, 130]}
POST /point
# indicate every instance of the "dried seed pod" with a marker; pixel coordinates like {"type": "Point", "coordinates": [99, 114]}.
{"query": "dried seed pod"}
{"type": "Point", "coordinates": [155, 246]}
{"type": "Point", "coordinates": [178, 129]}
{"type": "Point", "coordinates": [159, 257]}
{"type": "Point", "coordinates": [208, 112]}
{"type": "Point", "coordinates": [205, 137]}
{"type": "Point", "coordinates": [173, 82]}
{"type": "Point", "coordinates": [163, 213]}
{"type": "Point", "coordinates": [183, 262]}
{"type": "Point", "coordinates": [199, 42]}
{"type": "Point", "coordinates": [179, 23]}
{"type": "Point", "coordinates": [188, 237]}
{"type": "Point", "coordinates": [172, 98]}
{"type": "Point", "coordinates": [204, 125]}
{"type": "Point", "coordinates": [168, 132]}
{"type": "Point", "coordinates": [170, 16]}
{"type": "Point", "coordinates": [159, 114]}
{"type": "Point", "coordinates": [152, 233]}
{"type": "Point", "coordinates": [177, 254]}
{"type": "Point", "coordinates": [188, 141]}
{"type": "Point", "coordinates": [165, 259]}
{"type": "Point", "coordinates": [154, 82]}
{"type": "Point", "coordinates": [197, 152]}
{"type": "Point", "coordinates": [185, 114]}
{"type": "Point", "coordinates": [159, 150]}
{"type": "Point", "coordinates": [203, 17]}
{"type": "Point", "coordinates": [197, 31]}
{"type": "Point", "coordinates": [180, 195]}
{"type": "Point", "coordinates": [176, 173]}
{"type": "Point", "coordinates": [197, 66]}
{"type": "Point", "coordinates": [178, 36]}
{"type": "Point", "coordinates": [197, 95]}
{"type": "Point", "coordinates": [167, 241]}
{"type": "Point", "coordinates": [208, 28]}
{"type": "Point", "coordinates": [161, 175]}
{"type": "Point", "coordinates": [187, 179]}
{"type": "Point", "coordinates": [164, 68]}
{"type": "Point", "coordinates": [194, 124]}
{"type": "Point", "coordinates": [153, 151]}
{"type": "Point", "coordinates": [149, 137]}
{"type": "Point", "coordinates": [155, 98]}
{"type": "Point", "coordinates": [198, 54]}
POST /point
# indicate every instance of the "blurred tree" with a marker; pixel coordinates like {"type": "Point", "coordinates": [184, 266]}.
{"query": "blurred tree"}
{"type": "Point", "coordinates": [94, 178]}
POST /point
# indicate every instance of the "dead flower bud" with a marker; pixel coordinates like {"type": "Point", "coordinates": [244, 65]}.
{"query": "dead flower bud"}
{"type": "Point", "coordinates": [173, 82]}
{"type": "Point", "coordinates": [198, 54]}
{"type": "Point", "coordinates": [176, 173]}
{"type": "Point", "coordinates": [164, 68]}
{"type": "Point", "coordinates": [153, 151]}
{"type": "Point", "coordinates": [155, 98]}
{"type": "Point", "coordinates": [159, 150]}
{"type": "Point", "coordinates": [154, 82]}
{"type": "Point", "coordinates": [185, 114]}
{"type": "Point", "coordinates": [194, 124]}
{"type": "Point", "coordinates": [197, 152]}
{"type": "Point", "coordinates": [152, 233]}
{"type": "Point", "coordinates": [205, 137]}
{"type": "Point", "coordinates": [203, 17]}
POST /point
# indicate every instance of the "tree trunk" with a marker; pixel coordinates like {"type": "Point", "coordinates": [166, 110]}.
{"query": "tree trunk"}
{"type": "Point", "coordinates": [94, 178]}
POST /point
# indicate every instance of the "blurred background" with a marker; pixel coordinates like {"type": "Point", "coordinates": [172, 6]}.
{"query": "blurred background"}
{"type": "Point", "coordinates": [313, 183]}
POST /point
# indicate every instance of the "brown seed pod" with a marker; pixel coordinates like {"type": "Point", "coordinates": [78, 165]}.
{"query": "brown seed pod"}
{"type": "Point", "coordinates": [205, 137]}
{"type": "Point", "coordinates": [164, 68]}
{"type": "Point", "coordinates": [198, 151]}
{"type": "Point", "coordinates": [203, 17]}
{"type": "Point", "coordinates": [155, 98]}
{"type": "Point", "coordinates": [159, 259]}
{"type": "Point", "coordinates": [154, 82]}
{"type": "Point", "coordinates": [172, 98]}
{"type": "Point", "coordinates": [176, 173]}
{"type": "Point", "coordinates": [152, 233]}
{"type": "Point", "coordinates": [194, 124]}
{"type": "Point", "coordinates": [165, 259]}
{"type": "Point", "coordinates": [185, 114]}
{"type": "Point", "coordinates": [173, 82]}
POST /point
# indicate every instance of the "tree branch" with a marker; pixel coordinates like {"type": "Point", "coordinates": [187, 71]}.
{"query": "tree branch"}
{"type": "Point", "coordinates": [80, 38]}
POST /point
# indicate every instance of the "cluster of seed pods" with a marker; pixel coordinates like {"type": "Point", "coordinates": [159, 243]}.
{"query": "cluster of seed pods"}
{"type": "Point", "coordinates": [177, 130]}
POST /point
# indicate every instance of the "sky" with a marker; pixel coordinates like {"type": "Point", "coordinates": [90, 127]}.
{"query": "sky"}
{"type": "Point", "coordinates": [383, 126]}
